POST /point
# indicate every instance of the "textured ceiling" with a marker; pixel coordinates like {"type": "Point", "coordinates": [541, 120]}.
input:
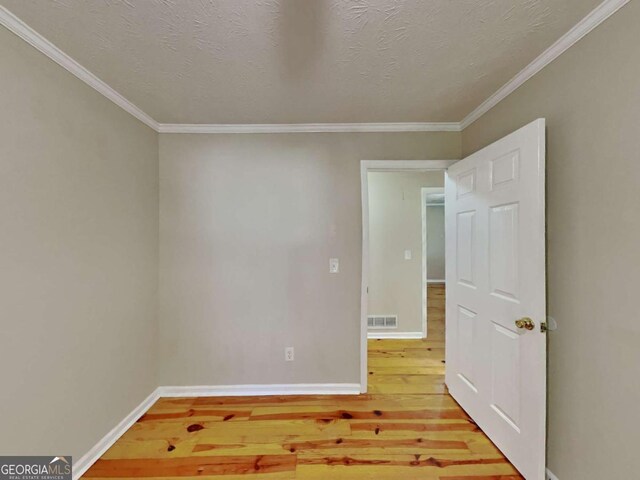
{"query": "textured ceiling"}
{"type": "Point", "coordinates": [303, 61]}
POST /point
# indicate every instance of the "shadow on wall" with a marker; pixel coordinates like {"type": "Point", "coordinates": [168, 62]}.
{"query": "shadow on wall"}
{"type": "Point", "coordinates": [302, 28]}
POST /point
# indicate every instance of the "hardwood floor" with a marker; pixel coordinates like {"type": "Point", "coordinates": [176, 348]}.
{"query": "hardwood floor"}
{"type": "Point", "coordinates": [407, 427]}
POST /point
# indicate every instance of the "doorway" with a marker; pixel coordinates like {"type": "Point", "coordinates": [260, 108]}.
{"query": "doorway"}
{"type": "Point", "coordinates": [399, 261]}
{"type": "Point", "coordinates": [495, 310]}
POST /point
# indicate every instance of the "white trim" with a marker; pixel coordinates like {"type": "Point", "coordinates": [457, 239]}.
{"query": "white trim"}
{"type": "Point", "coordinates": [29, 35]}
{"type": "Point", "coordinates": [582, 28]}
{"type": "Point", "coordinates": [588, 23]}
{"type": "Point", "coordinates": [437, 280]}
{"type": "Point", "coordinates": [404, 165]}
{"type": "Point", "coordinates": [551, 476]}
{"type": "Point", "coordinates": [377, 166]}
{"type": "Point", "coordinates": [92, 456]}
{"type": "Point", "coordinates": [309, 128]}
{"type": "Point", "coordinates": [397, 335]}
{"type": "Point", "coordinates": [423, 213]}
{"type": "Point", "coordinates": [364, 281]}
{"type": "Point", "coordinates": [84, 463]}
{"type": "Point", "coordinates": [259, 390]}
{"type": "Point", "coordinates": [424, 191]}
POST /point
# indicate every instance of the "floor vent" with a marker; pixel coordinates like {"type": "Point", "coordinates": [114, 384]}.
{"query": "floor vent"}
{"type": "Point", "coordinates": [382, 321]}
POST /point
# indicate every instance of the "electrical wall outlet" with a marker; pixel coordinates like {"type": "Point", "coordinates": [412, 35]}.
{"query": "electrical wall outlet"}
{"type": "Point", "coordinates": [407, 254]}
{"type": "Point", "coordinates": [334, 265]}
{"type": "Point", "coordinates": [288, 354]}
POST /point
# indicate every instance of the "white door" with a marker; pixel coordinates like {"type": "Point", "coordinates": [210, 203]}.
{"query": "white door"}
{"type": "Point", "coordinates": [495, 259]}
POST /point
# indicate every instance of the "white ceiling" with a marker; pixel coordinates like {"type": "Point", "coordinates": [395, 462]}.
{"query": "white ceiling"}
{"type": "Point", "coordinates": [303, 61]}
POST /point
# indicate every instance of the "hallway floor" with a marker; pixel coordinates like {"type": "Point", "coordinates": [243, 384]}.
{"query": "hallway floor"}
{"type": "Point", "coordinates": [406, 427]}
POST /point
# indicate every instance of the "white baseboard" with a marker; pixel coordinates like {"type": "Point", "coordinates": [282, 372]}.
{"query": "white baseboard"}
{"type": "Point", "coordinates": [92, 456]}
{"type": "Point", "coordinates": [551, 476]}
{"type": "Point", "coordinates": [436, 281]}
{"type": "Point", "coordinates": [255, 390]}
{"type": "Point", "coordinates": [396, 335]}
{"type": "Point", "coordinates": [82, 465]}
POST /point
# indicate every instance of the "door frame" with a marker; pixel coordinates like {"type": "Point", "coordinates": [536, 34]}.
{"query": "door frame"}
{"type": "Point", "coordinates": [367, 166]}
{"type": "Point", "coordinates": [424, 191]}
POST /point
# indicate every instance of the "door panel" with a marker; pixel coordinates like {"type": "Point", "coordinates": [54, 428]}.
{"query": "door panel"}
{"type": "Point", "coordinates": [495, 218]}
{"type": "Point", "coordinates": [466, 183]}
{"type": "Point", "coordinates": [465, 240]}
{"type": "Point", "coordinates": [504, 170]}
{"type": "Point", "coordinates": [505, 395]}
{"type": "Point", "coordinates": [503, 251]}
{"type": "Point", "coordinates": [466, 339]}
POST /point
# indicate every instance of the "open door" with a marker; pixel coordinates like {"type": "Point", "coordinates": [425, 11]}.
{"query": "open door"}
{"type": "Point", "coordinates": [496, 296]}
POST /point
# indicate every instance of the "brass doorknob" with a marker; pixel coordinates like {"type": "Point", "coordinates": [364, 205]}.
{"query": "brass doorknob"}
{"type": "Point", "coordinates": [525, 322]}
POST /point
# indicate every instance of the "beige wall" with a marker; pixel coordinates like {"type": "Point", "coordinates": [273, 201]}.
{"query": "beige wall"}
{"type": "Point", "coordinates": [247, 226]}
{"type": "Point", "coordinates": [435, 243]}
{"type": "Point", "coordinates": [395, 225]}
{"type": "Point", "coordinates": [78, 258]}
{"type": "Point", "coordinates": [590, 97]}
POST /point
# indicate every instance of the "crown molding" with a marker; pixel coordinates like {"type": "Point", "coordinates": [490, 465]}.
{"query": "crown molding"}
{"type": "Point", "coordinates": [29, 35]}
{"type": "Point", "coordinates": [309, 128]}
{"type": "Point", "coordinates": [588, 23]}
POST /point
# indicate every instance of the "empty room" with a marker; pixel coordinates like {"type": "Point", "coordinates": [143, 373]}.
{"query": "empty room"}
{"type": "Point", "coordinates": [319, 239]}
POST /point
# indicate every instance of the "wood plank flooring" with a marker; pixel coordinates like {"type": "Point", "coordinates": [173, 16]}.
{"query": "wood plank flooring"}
{"type": "Point", "coordinates": [406, 427]}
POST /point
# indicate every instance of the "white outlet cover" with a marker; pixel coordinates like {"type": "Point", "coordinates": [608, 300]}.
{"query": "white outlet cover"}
{"type": "Point", "coordinates": [334, 265]}
{"type": "Point", "coordinates": [288, 354]}
{"type": "Point", "coordinates": [407, 254]}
